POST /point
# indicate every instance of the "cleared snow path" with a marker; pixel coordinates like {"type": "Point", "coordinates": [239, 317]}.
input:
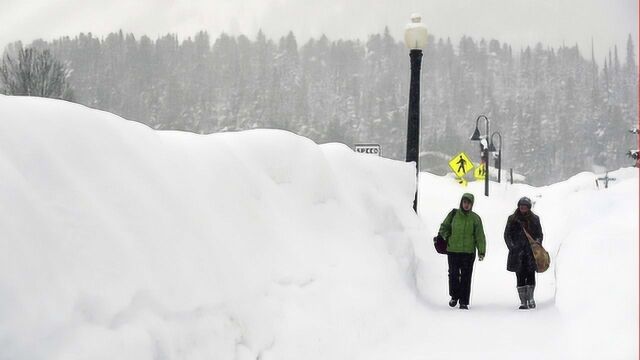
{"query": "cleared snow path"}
{"type": "Point", "coordinates": [587, 300]}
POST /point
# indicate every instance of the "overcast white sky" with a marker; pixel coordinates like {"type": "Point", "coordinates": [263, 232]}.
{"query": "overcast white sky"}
{"type": "Point", "coordinates": [518, 22]}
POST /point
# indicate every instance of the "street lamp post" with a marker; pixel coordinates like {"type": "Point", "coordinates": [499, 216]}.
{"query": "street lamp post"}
{"type": "Point", "coordinates": [485, 154]}
{"type": "Point", "coordinates": [415, 37]}
{"type": "Point", "coordinates": [492, 148]}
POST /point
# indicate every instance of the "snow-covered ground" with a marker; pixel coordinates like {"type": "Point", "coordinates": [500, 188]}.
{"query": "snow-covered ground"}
{"type": "Point", "coordinates": [120, 242]}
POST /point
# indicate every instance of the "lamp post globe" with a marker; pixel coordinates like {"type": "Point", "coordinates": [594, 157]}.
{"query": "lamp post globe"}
{"type": "Point", "coordinates": [415, 37]}
{"type": "Point", "coordinates": [415, 33]}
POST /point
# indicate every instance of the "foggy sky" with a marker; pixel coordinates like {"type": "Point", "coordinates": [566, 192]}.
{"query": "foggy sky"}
{"type": "Point", "coordinates": [517, 22]}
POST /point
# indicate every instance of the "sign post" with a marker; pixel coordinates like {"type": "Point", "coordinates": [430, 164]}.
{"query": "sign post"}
{"type": "Point", "coordinates": [606, 180]}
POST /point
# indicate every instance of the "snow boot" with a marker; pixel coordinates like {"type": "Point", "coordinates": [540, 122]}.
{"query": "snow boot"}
{"type": "Point", "coordinates": [453, 302]}
{"type": "Point", "coordinates": [522, 293]}
{"type": "Point", "coordinates": [530, 302]}
{"type": "Point", "coordinates": [464, 307]}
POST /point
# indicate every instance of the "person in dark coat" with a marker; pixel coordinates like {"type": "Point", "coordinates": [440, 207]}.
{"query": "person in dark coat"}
{"type": "Point", "coordinates": [520, 259]}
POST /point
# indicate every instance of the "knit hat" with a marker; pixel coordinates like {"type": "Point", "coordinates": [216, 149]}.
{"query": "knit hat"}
{"type": "Point", "coordinates": [525, 201]}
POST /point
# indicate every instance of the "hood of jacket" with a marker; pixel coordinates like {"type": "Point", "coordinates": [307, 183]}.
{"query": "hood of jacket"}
{"type": "Point", "coordinates": [469, 197]}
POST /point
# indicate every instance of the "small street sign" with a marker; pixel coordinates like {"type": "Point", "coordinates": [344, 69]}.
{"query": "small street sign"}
{"type": "Point", "coordinates": [460, 164]}
{"type": "Point", "coordinates": [373, 149]}
{"type": "Point", "coordinates": [462, 181]}
{"type": "Point", "coordinates": [480, 172]}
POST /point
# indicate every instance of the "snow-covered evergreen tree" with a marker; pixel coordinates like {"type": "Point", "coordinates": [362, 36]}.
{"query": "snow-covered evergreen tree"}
{"type": "Point", "coordinates": [558, 112]}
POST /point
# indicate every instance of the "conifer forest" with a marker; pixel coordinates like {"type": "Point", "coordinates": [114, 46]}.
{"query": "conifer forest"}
{"type": "Point", "coordinates": [559, 110]}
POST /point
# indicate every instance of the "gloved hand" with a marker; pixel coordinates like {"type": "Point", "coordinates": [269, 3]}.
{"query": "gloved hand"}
{"type": "Point", "coordinates": [480, 257]}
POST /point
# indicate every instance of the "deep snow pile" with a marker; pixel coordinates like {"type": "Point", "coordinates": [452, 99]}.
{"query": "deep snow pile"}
{"type": "Point", "coordinates": [122, 242]}
{"type": "Point", "coordinates": [119, 242]}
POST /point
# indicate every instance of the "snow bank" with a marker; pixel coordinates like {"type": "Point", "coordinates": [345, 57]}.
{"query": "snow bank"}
{"type": "Point", "coordinates": [119, 242]}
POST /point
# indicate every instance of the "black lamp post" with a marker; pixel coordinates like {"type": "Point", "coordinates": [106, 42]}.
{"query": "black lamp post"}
{"type": "Point", "coordinates": [485, 151]}
{"type": "Point", "coordinates": [415, 38]}
{"type": "Point", "coordinates": [492, 148]}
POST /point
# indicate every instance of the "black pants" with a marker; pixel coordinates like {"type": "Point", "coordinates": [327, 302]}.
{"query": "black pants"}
{"type": "Point", "coordinates": [526, 277]}
{"type": "Point", "coordinates": [460, 270]}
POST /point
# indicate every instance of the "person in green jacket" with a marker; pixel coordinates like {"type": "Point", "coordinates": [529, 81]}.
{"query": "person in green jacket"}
{"type": "Point", "coordinates": [462, 229]}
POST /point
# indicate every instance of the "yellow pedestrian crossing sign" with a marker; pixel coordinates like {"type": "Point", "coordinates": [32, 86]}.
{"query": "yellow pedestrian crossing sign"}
{"type": "Point", "coordinates": [460, 164]}
{"type": "Point", "coordinates": [480, 172]}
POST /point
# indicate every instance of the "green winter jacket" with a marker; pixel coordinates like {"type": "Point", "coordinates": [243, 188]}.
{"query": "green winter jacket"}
{"type": "Point", "coordinates": [463, 231]}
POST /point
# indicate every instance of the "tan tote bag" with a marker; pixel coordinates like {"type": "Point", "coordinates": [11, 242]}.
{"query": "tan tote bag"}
{"type": "Point", "coordinates": [543, 260]}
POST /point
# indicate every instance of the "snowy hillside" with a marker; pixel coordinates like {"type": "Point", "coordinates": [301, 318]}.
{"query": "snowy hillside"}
{"type": "Point", "coordinates": [120, 242]}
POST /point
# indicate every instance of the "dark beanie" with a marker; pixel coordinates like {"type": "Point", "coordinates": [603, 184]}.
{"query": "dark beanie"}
{"type": "Point", "coordinates": [525, 201]}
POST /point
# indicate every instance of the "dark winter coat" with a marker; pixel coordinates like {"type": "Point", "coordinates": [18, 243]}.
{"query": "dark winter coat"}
{"type": "Point", "coordinates": [520, 254]}
{"type": "Point", "coordinates": [463, 230]}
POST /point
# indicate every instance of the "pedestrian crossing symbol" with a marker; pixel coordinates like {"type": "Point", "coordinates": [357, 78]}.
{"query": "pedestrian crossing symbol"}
{"type": "Point", "coordinates": [480, 172]}
{"type": "Point", "coordinates": [460, 164]}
